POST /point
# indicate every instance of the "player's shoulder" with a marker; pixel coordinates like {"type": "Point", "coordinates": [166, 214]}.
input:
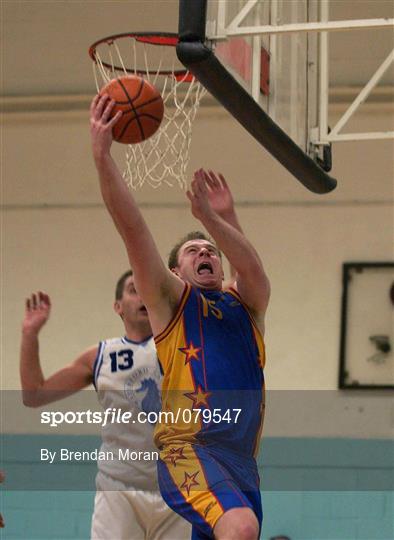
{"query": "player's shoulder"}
{"type": "Point", "coordinates": [231, 292]}
{"type": "Point", "coordinates": [86, 360]}
{"type": "Point", "coordinates": [256, 317]}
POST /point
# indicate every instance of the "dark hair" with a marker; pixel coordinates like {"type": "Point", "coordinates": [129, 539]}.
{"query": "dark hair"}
{"type": "Point", "coordinates": [120, 284]}
{"type": "Point", "coordinates": [194, 235]}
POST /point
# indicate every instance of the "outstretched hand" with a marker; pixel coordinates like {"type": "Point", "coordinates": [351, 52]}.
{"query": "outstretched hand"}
{"type": "Point", "coordinates": [199, 196]}
{"type": "Point", "coordinates": [210, 193]}
{"type": "Point", "coordinates": [101, 123]}
{"type": "Point", "coordinates": [219, 194]}
{"type": "Point", "coordinates": [37, 311]}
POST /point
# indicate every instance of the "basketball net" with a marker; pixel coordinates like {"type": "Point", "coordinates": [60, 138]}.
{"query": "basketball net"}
{"type": "Point", "coordinates": [163, 158]}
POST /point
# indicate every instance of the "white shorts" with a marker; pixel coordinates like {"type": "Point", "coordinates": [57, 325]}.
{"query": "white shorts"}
{"type": "Point", "coordinates": [135, 515]}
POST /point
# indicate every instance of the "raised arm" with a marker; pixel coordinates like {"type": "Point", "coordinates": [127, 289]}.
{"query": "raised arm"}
{"type": "Point", "coordinates": [37, 390]}
{"type": "Point", "coordinates": [251, 282]}
{"type": "Point", "coordinates": [159, 289]}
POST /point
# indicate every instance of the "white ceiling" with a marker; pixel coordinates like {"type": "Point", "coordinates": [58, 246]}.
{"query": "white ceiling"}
{"type": "Point", "coordinates": [45, 42]}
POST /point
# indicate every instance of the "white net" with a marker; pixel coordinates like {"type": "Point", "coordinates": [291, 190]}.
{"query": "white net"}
{"type": "Point", "coordinates": [163, 158]}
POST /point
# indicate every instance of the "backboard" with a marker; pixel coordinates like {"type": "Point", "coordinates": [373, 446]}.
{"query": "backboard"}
{"type": "Point", "coordinates": [266, 61]}
{"type": "Point", "coordinates": [266, 81]}
{"type": "Point", "coordinates": [278, 70]}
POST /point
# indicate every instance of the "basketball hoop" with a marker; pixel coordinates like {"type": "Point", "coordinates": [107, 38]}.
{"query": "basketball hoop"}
{"type": "Point", "coordinates": [162, 158]}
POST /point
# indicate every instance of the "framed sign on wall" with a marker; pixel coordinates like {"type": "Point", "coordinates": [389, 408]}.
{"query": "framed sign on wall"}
{"type": "Point", "coordinates": [366, 344]}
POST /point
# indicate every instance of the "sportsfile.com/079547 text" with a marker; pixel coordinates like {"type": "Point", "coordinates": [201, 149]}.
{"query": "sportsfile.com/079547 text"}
{"type": "Point", "coordinates": [118, 416]}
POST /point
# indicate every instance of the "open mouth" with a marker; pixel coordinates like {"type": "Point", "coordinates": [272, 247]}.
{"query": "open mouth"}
{"type": "Point", "coordinates": [143, 309]}
{"type": "Point", "coordinates": [204, 268]}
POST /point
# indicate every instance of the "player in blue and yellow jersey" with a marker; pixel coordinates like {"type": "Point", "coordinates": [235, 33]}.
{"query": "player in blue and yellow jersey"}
{"type": "Point", "coordinates": [210, 345]}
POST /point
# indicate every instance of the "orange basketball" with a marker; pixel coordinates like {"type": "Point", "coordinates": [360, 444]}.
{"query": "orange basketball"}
{"type": "Point", "coordinates": [142, 107]}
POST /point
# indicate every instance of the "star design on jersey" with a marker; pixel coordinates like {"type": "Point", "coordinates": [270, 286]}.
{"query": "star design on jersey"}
{"type": "Point", "coordinates": [190, 481]}
{"type": "Point", "coordinates": [174, 454]}
{"type": "Point", "coordinates": [199, 397]}
{"type": "Point", "coordinates": [191, 352]}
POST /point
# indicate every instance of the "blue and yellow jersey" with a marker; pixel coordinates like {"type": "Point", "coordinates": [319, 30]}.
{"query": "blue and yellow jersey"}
{"type": "Point", "coordinates": [212, 355]}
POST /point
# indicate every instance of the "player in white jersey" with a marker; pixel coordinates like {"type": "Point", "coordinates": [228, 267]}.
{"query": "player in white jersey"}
{"type": "Point", "coordinates": [126, 374]}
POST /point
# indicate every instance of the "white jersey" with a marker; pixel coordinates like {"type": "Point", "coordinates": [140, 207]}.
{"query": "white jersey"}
{"type": "Point", "coordinates": [127, 377]}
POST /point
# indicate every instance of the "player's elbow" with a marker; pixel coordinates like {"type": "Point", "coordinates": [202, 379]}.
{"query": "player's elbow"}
{"type": "Point", "coordinates": [31, 399]}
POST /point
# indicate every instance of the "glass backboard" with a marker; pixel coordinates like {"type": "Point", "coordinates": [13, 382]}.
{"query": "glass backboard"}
{"type": "Point", "coordinates": [278, 70]}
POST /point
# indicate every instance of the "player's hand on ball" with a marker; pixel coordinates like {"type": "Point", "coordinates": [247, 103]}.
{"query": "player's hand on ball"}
{"type": "Point", "coordinates": [37, 311]}
{"type": "Point", "coordinates": [101, 124]}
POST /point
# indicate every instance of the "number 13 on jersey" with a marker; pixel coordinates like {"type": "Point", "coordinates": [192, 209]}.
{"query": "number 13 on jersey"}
{"type": "Point", "coordinates": [121, 360]}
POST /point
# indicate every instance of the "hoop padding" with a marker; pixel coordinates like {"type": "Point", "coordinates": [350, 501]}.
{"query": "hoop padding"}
{"type": "Point", "coordinates": [163, 158]}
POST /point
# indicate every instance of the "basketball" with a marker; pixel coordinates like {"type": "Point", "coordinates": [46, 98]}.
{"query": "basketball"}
{"type": "Point", "coordinates": [142, 107]}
